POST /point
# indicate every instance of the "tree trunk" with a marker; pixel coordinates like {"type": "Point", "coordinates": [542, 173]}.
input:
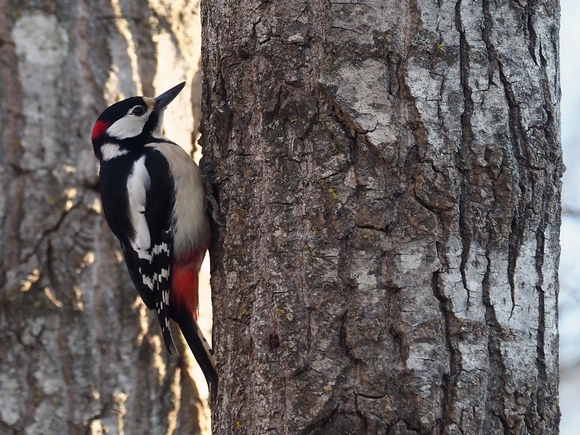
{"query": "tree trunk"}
{"type": "Point", "coordinates": [78, 352]}
{"type": "Point", "coordinates": [389, 177]}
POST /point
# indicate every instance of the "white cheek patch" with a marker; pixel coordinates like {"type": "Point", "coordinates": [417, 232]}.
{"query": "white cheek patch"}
{"type": "Point", "coordinates": [137, 185]}
{"type": "Point", "coordinates": [109, 151]}
{"type": "Point", "coordinates": [127, 126]}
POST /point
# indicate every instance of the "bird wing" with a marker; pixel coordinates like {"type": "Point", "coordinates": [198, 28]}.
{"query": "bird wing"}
{"type": "Point", "coordinates": [148, 252]}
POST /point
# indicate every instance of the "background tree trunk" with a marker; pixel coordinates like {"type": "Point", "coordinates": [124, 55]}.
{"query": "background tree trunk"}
{"type": "Point", "coordinates": [389, 177]}
{"type": "Point", "coordinates": [78, 352]}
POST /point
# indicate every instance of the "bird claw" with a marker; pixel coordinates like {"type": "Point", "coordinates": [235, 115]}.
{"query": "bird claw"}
{"type": "Point", "coordinates": [215, 209]}
{"type": "Point", "coordinates": [208, 175]}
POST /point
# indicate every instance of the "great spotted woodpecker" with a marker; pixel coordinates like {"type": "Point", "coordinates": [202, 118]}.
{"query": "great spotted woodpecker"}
{"type": "Point", "coordinates": [153, 201]}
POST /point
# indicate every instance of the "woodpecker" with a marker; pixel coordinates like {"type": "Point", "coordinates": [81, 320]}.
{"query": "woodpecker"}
{"type": "Point", "coordinates": [153, 200]}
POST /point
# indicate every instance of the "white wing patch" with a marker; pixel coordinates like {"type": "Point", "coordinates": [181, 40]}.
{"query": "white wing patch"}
{"type": "Point", "coordinates": [137, 185]}
{"type": "Point", "coordinates": [143, 239]}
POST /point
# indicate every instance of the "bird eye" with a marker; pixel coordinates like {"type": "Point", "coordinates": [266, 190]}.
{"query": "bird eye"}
{"type": "Point", "coordinates": [138, 111]}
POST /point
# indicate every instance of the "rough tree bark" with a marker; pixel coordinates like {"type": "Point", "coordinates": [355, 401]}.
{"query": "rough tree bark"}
{"type": "Point", "coordinates": [389, 177]}
{"type": "Point", "coordinates": [78, 352]}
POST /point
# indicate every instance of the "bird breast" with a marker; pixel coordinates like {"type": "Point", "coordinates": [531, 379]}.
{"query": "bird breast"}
{"type": "Point", "coordinates": [191, 227]}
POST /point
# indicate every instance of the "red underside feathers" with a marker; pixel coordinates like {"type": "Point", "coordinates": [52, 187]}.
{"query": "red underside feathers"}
{"type": "Point", "coordinates": [185, 283]}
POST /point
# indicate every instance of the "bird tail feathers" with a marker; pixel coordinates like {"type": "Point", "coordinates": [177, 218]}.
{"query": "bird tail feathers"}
{"type": "Point", "coordinates": [202, 352]}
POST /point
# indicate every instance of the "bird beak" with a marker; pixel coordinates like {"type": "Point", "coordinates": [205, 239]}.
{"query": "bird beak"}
{"type": "Point", "coordinates": [163, 100]}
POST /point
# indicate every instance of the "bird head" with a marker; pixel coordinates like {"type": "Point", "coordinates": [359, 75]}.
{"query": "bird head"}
{"type": "Point", "coordinates": [128, 124]}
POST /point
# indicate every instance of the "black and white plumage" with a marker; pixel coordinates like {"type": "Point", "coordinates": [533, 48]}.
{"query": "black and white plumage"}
{"type": "Point", "coordinates": [153, 197]}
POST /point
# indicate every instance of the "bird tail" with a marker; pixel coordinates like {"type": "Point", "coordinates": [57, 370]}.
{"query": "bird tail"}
{"type": "Point", "coordinates": [202, 352]}
{"type": "Point", "coordinates": [166, 333]}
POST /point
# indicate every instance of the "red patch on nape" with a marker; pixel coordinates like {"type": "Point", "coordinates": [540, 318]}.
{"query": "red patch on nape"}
{"type": "Point", "coordinates": [99, 128]}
